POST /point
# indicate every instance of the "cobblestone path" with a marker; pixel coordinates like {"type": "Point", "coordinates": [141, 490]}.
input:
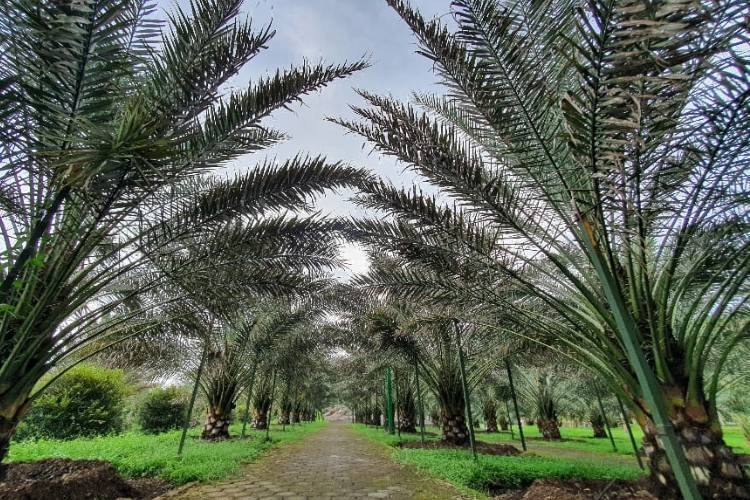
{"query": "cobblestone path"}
{"type": "Point", "coordinates": [333, 463]}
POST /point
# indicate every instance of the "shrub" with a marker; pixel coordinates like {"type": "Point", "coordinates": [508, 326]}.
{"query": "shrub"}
{"type": "Point", "coordinates": [85, 401]}
{"type": "Point", "coordinates": [162, 410]}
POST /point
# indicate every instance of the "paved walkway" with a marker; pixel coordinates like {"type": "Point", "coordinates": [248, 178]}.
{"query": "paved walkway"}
{"type": "Point", "coordinates": [332, 463]}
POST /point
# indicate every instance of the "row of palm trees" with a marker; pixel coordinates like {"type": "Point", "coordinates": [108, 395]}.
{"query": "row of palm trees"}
{"type": "Point", "coordinates": [590, 162]}
{"type": "Point", "coordinates": [590, 169]}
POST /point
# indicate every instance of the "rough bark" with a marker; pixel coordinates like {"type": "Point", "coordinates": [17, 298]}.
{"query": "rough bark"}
{"type": "Point", "coordinates": [549, 429]}
{"type": "Point", "coordinates": [715, 467]}
{"type": "Point", "coordinates": [454, 427]}
{"type": "Point", "coordinates": [406, 422]}
{"type": "Point", "coordinates": [296, 416]}
{"type": "Point", "coordinates": [9, 420]}
{"type": "Point", "coordinates": [491, 424]}
{"type": "Point", "coordinates": [217, 424]}
{"type": "Point", "coordinates": [284, 417]}
{"type": "Point", "coordinates": [597, 426]}
{"type": "Point", "coordinates": [260, 419]}
{"type": "Point", "coordinates": [503, 423]}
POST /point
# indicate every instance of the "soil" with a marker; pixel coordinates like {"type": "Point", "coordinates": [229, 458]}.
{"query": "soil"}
{"type": "Point", "coordinates": [552, 489]}
{"type": "Point", "coordinates": [64, 479]}
{"type": "Point", "coordinates": [483, 448]}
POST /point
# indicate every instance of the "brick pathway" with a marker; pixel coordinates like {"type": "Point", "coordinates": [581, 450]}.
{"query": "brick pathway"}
{"type": "Point", "coordinates": [332, 463]}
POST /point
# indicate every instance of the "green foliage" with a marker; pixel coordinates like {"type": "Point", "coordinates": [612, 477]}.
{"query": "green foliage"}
{"type": "Point", "coordinates": [137, 455]}
{"type": "Point", "coordinates": [85, 401]}
{"type": "Point", "coordinates": [162, 410]}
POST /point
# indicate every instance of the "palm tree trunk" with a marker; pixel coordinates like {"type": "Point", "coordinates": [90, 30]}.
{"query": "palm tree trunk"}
{"type": "Point", "coordinates": [217, 424]}
{"type": "Point", "coordinates": [284, 417]}
{"type": "Point", "coordinates": [9, 420]}
{"type": "Point", "coordinates": [260, 418]}
{"type": "Point", "coordinates": [503, 423]}
{"type": "Point", "coordinates": [549, 429]}
{"type": "Point", "coordinates": [406, 421]}
{"type": "Point", "coordinates": [491, 424]}
{"type": "Point", "coordinates": [454, 426]}
{"type": "Point", "coordinates": [597, 426]}
{"type": "Point", "coordinates": [715, 466]}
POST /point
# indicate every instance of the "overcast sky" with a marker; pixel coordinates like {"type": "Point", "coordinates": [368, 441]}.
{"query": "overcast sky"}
{"type": "Point", "coordinates": [336, 31]}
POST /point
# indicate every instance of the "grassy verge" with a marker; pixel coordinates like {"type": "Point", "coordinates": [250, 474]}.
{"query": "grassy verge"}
{"type": "Point", "coordinates": [491, 472]}
{"type": "Point", "coordinates": [137, 455]}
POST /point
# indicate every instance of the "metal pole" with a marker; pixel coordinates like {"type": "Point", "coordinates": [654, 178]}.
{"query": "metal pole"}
{"type": "Point", "coordinates": [396, 411]}
{"type": "Point", "coordinates": [389, 400]}
{"type": "Point", "coordinates": [606, 420]}
{"type": "Point", "coordinates": [419, 395]}
{"type": "Point", "coordinates": [194, 395]}
{"type": "Point", "coordinates": [515, 403]}
{"type": "Point", "coordinates": [630, 433]}
{"type": "Point", "coordinates": [467, 401]}
{"type": "Point", "coordinates": [270, 406]}
{"type": "Point", "coordinates": [629, 335]}
{"type": "Point", "coordinates": [249, 397]}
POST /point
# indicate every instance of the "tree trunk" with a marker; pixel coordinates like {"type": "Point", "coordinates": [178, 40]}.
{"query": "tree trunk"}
{"type": "Point", "coordinates": [491, 424]}
{"type": "Point", "coordinates": [407, 422]}
{"type": "Point", "coordinates": [715, 467]}
{"type": "Point", "coordinates": [454, 427]}
{"type": "Point", "coordinates": [597, 425]}
{"type": "Point", "coordinates": [284, 417]}
{"type": "Point", "coordinates": [8, 429]}
{"type": "Point", "coordinates": [217, 424]}
{"type": "Point", "coordinates": [296, 417]}
{"type": "Point", "coordinates": [549, 429]}
{"type": "Point", "coordinates": [260, 419]}
{"type": "Point", "coordinates": [503, 423]}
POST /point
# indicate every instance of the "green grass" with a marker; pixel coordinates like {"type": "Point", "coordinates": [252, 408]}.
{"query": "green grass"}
{"type": "Point", "coordinates": [491, 472]}
{"type": "Point", "coordinates": [137, 455]}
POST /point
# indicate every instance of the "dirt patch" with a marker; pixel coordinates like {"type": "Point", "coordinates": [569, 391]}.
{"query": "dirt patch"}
{"type": "Point", "coordinates": [552, 489]}
{"type": "Point", "coordinates": [483, 448]}
{"type": "Point", "coordinates": [64, 479]}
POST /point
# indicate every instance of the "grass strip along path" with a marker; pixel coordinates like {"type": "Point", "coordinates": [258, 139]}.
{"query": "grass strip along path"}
{"type": "Point", "coordinates": [135, 454]}
{"type": "Point", "coordinates": [543, 461]}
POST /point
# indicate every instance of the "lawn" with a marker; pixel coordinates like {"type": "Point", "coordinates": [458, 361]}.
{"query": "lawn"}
{"type": "Point", "coordinates": [491, 472]}
{"type": "Point", "coordinates": [136, 454]}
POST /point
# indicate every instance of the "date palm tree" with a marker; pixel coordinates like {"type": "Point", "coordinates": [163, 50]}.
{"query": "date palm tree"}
{"type": "Point", "coordinates": [596, 158]}
{"type": "Point", "coordinates": [105, 113]}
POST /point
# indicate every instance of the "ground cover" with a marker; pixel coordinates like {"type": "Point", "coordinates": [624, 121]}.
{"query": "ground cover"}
{"type": "Point", "coordinates": [497, 473]}
{"type": "Point", "coordinates": [135, 454]}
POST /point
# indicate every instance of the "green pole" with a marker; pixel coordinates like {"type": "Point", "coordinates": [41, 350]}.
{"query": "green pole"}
{"type": "Point", "coordinates": [515, 403]}
{"type": "Point", "coordinates": [270, 407]}
{"type": "Point", "coordinates": [629, 336]}
{"type": "Point", "coordinates": [193, 396]}
{"type": "Point", "coordinates": [606, 420]}
{"type": "Point", "coordinates": [467, 401]}
{"type": "Point", "coordinates": [396, 411]}
{"type": "Point", "coordinates": [249, 397]}
{"type": "Point", "coordinates": [389, 400]}
{"type": "Point", "coordinates": [630, 433]}
{"type": "Point", "coordinates": [419, 396]}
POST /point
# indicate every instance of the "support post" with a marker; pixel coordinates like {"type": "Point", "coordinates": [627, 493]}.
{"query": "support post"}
{"type": "Point", "coordinates": [419, 396]}
{"type": "Point", "coordinates": [389, 400]}
{"type": "Point", "coordinates": [515, 403]}
{"type": "Point", "coordinates": [270, 406]}
{"type": "Point", "coordinates": [467, 400]}
{"type": "Point", "coordinates": [606, 420]}
{"type": "Point", "coordinates": [510, 420]}
{"type": "Point", "coordinates": [396, 411]}
{"type": "Point", "coordinates": [194, 395]}
{"type": "Point", "coordinates": [630, 433]}
{"type": "Point", "coordinates": [249, 398]}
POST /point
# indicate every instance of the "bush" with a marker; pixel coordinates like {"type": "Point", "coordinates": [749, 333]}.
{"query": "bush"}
{"type": "Point", "coordinates": [85, 401]}
{"type": "Point", "coordinates": [162, 410]}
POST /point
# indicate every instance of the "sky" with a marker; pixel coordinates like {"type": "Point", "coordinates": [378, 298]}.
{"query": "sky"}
{"type": "Point", "coordinates": [335, 31]}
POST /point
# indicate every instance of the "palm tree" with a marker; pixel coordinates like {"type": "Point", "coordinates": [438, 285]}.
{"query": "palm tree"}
{"type": "Point", "coordinates": [597, 161]}
{"type": "Point", "coordinates": [104, 113]}
{"type": "Point", "coordinates": [542, 391]}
